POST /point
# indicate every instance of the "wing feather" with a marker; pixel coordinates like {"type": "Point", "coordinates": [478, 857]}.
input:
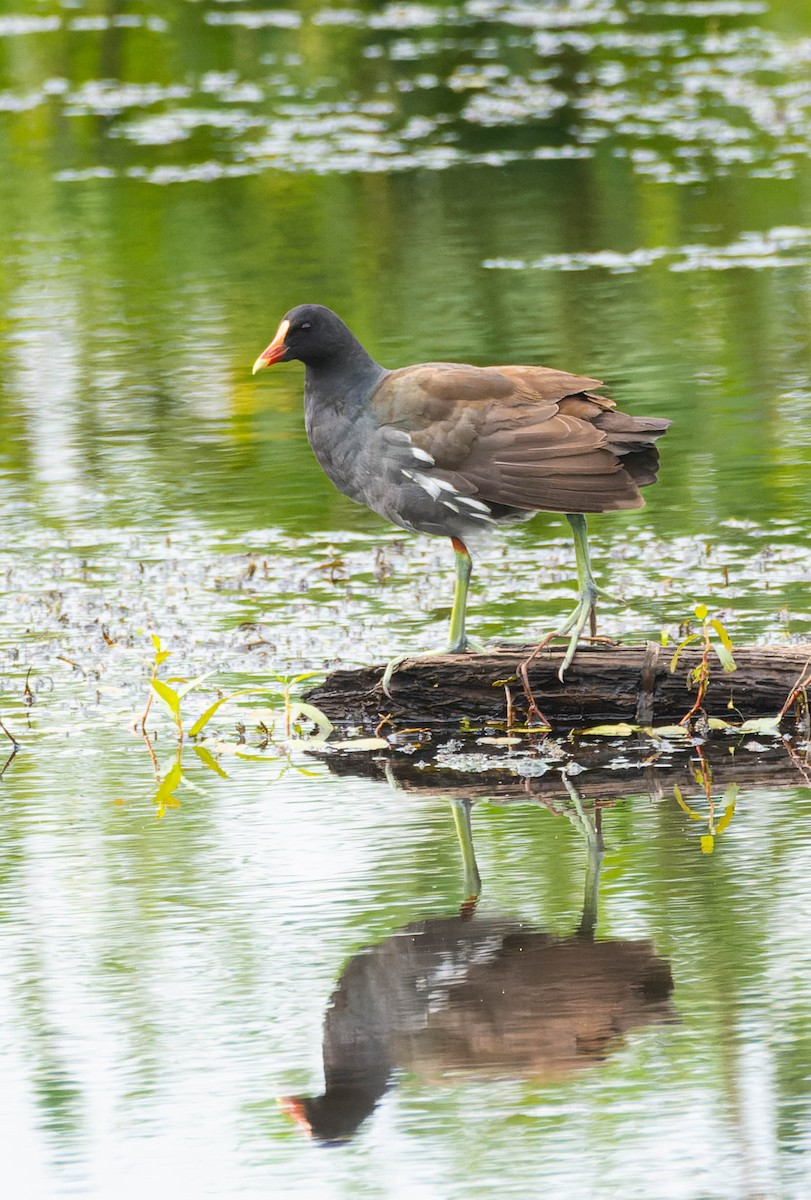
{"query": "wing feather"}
{"type": "Point", "coordinates": [529, 438]}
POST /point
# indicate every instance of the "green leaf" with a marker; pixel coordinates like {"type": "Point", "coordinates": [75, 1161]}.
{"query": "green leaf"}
{"type": "Point", "coordinates": [301, 678]}
{"type": "Point", "coordinates": [726, 659]}
{"type": "Point", "coordinates": [193, 683]}
{"type": "Point", "coordinates": [168, 695]}
{"type": "Point", "coordinates": [722, 633]}
{"type": "Point", "coordinates": [729, 811]}
{"type": "Point", "coordinates": [361, 745]}
{"type": "Point", "coordinates": [621, 730]}
{"type": "Point", "coordinates": [692, 638]}
{"type": "Point", "coordinates": [761, 725]}
{"type": "Point", "coordinates": [208, 760]}
{"type": "Point", "coordinates": [702, 773]}
{"type": "Point", "coordinates": [682, 803]}
{"type": "Point", "coordinates": [169, 784]}
{"type": "Point", "coordinates": [205, 717]}
{"type": "Point", "coordinates": [311, 713]}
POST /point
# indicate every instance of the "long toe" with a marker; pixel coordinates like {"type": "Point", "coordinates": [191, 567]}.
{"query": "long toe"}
{"type": "Point", "coordinates": [472, 645]}
{"type": "Point", "coordinates": [391, 667]}
{"type": "Point", "coordinates": [464, 645]}
{"type": "Point", "coordinates": [582, 615]}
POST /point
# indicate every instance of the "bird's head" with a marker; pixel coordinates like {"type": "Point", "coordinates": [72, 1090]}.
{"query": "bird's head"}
{"type": "Point", "coordinates": [311, 333]}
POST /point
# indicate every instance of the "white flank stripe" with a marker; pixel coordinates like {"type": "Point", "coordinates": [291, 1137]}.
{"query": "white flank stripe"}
{"type": "Point", "coordinates": [475, 504]}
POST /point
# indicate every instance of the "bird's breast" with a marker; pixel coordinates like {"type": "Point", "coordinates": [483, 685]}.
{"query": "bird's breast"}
{"type": "Point", "coordinates": [339, 432]}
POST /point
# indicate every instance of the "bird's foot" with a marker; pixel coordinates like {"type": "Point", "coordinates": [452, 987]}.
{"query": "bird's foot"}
{"type": "Point", "coordinates": [574, 626]}
{"type": "Point", "coordinates": [601, 594]}
{"type": "Point", "coordinates": [391, 667]}
{"type": "Point", "coordinates": [584, 614]}
{"type": "Point", "coordinates": [462, 645]}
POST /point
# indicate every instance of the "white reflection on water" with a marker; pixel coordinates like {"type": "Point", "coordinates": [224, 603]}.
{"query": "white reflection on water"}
{"type": "Point", "coordinates": [682, 104]}
{"type": "Point", "coordinates": [45, 377]}
{"type": "Point", "coordinates": [784, 246]}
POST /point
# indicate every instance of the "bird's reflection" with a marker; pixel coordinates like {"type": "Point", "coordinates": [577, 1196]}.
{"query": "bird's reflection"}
{"type": "Point", "coordinates": [488, 996]}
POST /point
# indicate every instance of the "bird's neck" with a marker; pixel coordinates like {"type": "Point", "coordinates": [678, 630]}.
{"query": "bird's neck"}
{"type": "Point", "coordinates": [349, 375]}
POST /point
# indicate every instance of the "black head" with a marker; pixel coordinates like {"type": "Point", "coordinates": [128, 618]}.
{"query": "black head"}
{"type": "Point", "coordinates": [311, 333]}
{"type": "Point", "coordinates": [334, 1117]}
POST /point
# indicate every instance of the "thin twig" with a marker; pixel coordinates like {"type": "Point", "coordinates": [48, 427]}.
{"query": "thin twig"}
{"type": "Point", "coordinates": [523, 668]}
{"type": "Point", "coordinates": [10, 759]}
{"type": "Point", "coordinates": [532, 708]}
{"type": "Point", "coordinates": [705, 781]}
{"type": "Point", "coordinates": [15, 745]}
{"type": "Point", "coordinates": [794, 757]}
{"type": "Point", "coordinates": [155, 766]}
{"type": "Point", "coordinates": [510, 710]}
{"type": "Point", "coordinates": [10, 736]}
{"type": "Point", "coordinates": [702, 677]}
{"type": "Point", "coordinates": [385, 720]}
{"type": "Point", "coordinates": [146, 710]}
{"type": "Point", "coordinates": [803, 681]}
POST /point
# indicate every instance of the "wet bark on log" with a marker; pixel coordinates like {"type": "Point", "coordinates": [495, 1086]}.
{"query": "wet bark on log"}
{"type": "Point", "coordinates": [606, 683]}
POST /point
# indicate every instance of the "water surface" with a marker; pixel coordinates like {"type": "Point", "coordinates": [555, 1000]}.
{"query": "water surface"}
{"type": "Point", "coordinates": [620, 189]}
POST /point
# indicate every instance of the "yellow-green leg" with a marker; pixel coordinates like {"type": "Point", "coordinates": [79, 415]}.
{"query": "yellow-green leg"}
{"type": "Point", "coordinates": [458, 641]}
{"type": "Point", "coordinates": [586, 610]}
{"type": "Point", "coordinates": [472, 878]}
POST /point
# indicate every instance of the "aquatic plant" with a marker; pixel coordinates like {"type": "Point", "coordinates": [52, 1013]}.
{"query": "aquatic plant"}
{"type": "Point", "coordinates": [173, 690]}
{"type": "Point", "coordinates": [699, 675]}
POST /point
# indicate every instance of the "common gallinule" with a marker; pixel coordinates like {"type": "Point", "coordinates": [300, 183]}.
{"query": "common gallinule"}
{"type": "Point", "coordinates": [452, 449]}
{"type": "Point", "coordinates": [486, 995]}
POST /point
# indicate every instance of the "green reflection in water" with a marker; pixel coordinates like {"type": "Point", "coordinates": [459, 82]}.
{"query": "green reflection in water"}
{"type": "Point", "coordinates": [169, 979]}
{"type": "Point", "coordinates": [172, 178]}
{"type": "Point", "coordinates": [133, 309]}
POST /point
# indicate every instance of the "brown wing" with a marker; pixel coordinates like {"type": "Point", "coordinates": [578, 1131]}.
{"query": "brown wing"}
{"type": "Point", "coordinates": [525, 437]}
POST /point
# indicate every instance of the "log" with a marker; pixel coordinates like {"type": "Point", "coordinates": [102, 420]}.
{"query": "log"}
{"type": "Point", "coordinates": [606, 684]}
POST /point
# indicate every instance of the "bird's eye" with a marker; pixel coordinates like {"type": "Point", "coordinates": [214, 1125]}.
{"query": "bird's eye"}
{"type": "Point", "coordinates": [305, 325]}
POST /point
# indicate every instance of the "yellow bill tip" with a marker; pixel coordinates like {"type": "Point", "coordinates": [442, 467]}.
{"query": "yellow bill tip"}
{"type": "Point", "coordinates": [274, 351]}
